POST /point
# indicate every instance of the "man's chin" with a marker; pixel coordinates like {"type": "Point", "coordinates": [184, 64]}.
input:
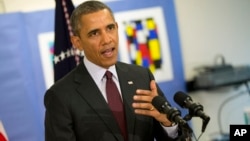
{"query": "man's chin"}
{"type": "Point", "coordinates": [109, 63]}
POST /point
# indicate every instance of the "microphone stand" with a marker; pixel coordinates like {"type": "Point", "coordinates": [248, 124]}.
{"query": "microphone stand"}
{"type": "Point", "coordinates": [185, 128]}
{"type": "Point", "coordinates": [186, 133]}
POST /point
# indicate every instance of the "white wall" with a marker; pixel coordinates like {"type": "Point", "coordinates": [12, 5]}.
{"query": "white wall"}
{"type": "Point", "coordinates": [207, 28]}
{"type": "Point", "coordinates": [31, 5]}
{"type": "Point", "coordinates": [211, 27]}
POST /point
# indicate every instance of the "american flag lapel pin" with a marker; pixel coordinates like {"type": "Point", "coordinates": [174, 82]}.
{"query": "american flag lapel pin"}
{"type": "Point", "coordinates": [130, 82]}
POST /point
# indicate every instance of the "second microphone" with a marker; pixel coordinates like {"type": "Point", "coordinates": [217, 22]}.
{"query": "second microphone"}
{"type": "Point", "coordinates": [163, 106]}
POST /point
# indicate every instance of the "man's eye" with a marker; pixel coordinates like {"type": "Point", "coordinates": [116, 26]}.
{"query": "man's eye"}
{"type": "Point", "coordinates": [111, 27]}
{"type": "Point", "coordinates": [94, 33]}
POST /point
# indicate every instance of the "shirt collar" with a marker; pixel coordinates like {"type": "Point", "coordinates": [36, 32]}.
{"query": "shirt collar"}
{"type": "Point", "coordinates": [98, 72]}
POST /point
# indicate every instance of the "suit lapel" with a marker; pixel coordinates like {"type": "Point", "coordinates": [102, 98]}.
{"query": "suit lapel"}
{"type": "Point", "coordinates": [91, 94]}
{"type": "Point", "coordinates": [128, 89]}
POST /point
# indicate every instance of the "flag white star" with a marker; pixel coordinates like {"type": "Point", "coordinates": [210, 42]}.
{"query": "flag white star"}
{"type": "Point", "coordinates": [72, 51]}
{"type": "Point", "coordinates": [68, 53]}
{"type": "Point", "coordinates": [56, 59]}
{"type": "Point", "coordinates": [62, 55]}
{"type": "Point", "coordinates": [82, 53]}
{"type": "Point", "coordinates": [77, 52]}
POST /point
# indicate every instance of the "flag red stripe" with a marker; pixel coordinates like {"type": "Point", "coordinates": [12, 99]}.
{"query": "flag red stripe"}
{"type": "Point", "coordinates": [2, 138]}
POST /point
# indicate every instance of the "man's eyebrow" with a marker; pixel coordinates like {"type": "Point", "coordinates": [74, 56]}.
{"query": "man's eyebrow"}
{"type": "Point", "coordinates": [92, 31]}
{"type": "Point", "coordinates": [96, 30]}
{"type": "Point", "coordinates": [111, 24]}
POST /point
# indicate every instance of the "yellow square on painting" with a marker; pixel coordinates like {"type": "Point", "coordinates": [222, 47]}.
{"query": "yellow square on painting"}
{"type": "Point", "coordinates": [150, 24]}
{"type": "Point", "coordinates": [129, 30]}
{"type": "Point", "coordinates": [154, 49]}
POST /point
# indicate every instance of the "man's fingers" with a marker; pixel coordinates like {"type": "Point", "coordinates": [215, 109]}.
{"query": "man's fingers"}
{"type": "Point", "coordinates": [142, 98]}
{"type": "Point", "coordinates": [148, 92]}
{"type": "Point", "coordinates": [146, 95]}
{"type": "Point", "coordinates": [146, 106]}
{"type": "Point", "coordinates": [153, 87]}
{"type": "Point", "coordinates": [143, 92]}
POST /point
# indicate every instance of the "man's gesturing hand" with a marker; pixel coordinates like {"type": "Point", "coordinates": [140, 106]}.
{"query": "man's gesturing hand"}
{"type": "Point", "coordinates": [143, 104]}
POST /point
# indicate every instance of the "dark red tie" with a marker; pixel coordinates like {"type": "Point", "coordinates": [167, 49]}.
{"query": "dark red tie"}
{"type": "Point", "coordinates": [115, 103]}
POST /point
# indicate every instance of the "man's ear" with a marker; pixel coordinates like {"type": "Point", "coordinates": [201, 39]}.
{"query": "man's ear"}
{"type": "Point", "coordinates": [76, 42]}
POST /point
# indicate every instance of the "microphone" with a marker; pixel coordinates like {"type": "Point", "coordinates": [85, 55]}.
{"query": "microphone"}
{"type": "Point", "coordinates": [164, 107]}
{"type": "Point", "coordinates": [195, 109]}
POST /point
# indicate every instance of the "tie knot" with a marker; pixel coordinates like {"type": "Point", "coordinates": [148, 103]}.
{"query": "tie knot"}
{"type": "Point", "coordinates": [108, 75]}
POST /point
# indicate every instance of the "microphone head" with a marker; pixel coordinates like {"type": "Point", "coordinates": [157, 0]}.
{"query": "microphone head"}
{"type": "Point", "coordinates": [157, 102]}
{"type": "Point", "coordinates": [180, 98]}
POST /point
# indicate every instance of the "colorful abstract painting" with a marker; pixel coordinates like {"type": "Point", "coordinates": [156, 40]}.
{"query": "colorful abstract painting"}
{"type": "Point", "coordinates": [144, 42]}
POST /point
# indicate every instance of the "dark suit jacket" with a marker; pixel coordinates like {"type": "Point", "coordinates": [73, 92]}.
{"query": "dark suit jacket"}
{"type": "Point", "coordinates": [77, 111]}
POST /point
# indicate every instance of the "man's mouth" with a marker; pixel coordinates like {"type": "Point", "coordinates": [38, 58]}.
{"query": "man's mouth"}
{"type": "Point", "coordinates": [108, 52]}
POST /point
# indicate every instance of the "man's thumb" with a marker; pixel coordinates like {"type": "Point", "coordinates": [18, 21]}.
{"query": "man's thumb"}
{"type": "Point", "coordinates": [153, 86]}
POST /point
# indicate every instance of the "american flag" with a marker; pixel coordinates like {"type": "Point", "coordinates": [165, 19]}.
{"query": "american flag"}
{"type": "Point", "coordinates": [65, 56]}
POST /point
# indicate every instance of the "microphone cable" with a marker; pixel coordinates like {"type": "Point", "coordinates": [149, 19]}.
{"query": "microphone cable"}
{"type": "Point", "coordinates": [224, 103]}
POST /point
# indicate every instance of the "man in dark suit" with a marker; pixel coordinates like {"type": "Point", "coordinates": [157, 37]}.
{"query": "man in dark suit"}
{"type": "Point", "coordinates": [77, 106]}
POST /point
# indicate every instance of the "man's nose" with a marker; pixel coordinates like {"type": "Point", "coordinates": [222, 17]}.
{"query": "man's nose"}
{"type": "Point", "coordinates": [106, 38]}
